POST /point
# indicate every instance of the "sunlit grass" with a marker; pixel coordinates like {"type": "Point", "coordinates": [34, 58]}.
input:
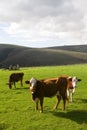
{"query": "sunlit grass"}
{"type": "Point", "coordinates": [17, 108]}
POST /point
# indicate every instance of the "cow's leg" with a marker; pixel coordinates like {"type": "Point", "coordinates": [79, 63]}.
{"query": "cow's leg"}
{"type": "Point", "coordinates": [21, 82]}
{"type": "Point", "coordinates": [14, 84]}
{"type": "Point", "coordinates": [58, 101]}
{"type": "Point", "coordinates": [36, 102]}
{"type": "Point", "coordinates": [64, 102]}
{"type": "Point", "coordinates": [41, 105]}
{"type": "Point", "coordinates": [70, 96]}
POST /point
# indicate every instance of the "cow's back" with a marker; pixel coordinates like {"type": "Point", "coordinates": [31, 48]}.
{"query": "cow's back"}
{"type": "Point", "coordinates": [46, 88]}
{"type": "Point", "coordinates": [16, 77]}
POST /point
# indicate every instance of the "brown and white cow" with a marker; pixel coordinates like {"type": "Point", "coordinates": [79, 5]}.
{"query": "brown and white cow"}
{"type": "Point", "coordinates": [71, 86]}
{"type": "Point", "coordinates": [49, 88]}
{"type": "Point", "coordinates": [15, 77]}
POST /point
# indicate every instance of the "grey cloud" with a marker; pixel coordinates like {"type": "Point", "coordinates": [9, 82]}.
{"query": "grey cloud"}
{"type": "Point", "coordinates": [43, 15]}
{"type": "Point", "coordinates": [41, 8]}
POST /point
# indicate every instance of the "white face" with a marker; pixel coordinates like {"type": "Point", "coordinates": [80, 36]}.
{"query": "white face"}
{"type": "Point", "coordinates": [74, 81]}
{"type": "Point", "coordinates": [32, 84]}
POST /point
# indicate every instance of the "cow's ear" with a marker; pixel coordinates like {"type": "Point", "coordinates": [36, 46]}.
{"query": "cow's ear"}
{"type": "Point", "coordinates": [79, 79]}
{"type": "Point", "coordinates": [27, 82]}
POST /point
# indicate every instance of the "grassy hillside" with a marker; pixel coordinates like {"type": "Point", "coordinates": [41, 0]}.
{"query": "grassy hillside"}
{"type": "Point", "coordinates": [77, 48]}
{"type": "Point", "coordinates": [17, 108]}
{"type": "Point", "coordinates": [24, 56]}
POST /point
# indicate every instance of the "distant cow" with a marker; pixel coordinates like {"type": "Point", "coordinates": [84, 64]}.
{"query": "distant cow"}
{"type": "Point", "coordinates": [15, 77]}
{"type": "Point", "coordinates": [49, 88]}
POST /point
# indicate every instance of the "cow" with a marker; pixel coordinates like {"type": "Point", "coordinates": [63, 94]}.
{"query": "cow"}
{"type": "Point", "coordinates": [72, 84]}
{"type": "Point", "coordinates": [15, 77]}
{"type": "Point", "coordinates": [49, 88]}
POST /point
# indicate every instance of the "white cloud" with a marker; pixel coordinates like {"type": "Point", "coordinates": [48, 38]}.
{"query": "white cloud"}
{"type": "Point", "coordinates": [45, 20]}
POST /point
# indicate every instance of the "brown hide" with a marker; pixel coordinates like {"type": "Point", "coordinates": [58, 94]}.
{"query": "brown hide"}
{"type": "Point", "coordinates": [45, 89]}
{"type": "Point", "coordinates": [49, 88]}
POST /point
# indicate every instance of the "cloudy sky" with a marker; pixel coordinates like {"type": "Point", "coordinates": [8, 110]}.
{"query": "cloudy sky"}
{"type": "Point", "coordinates": [42, 23]}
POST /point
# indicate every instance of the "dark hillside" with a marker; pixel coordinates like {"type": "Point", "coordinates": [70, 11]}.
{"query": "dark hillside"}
{"type": "Point", "coordinates": [77, 48]}
{"type": "Point", "coordinates": [25, 56]}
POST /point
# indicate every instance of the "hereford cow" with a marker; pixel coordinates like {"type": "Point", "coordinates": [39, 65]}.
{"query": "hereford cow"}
{"type": "Point", "coordinates": [72, 84]}
{"type": "Point", "coordinates": [15, 77]}
{"type": "Point", "coordinates": [49, 88]}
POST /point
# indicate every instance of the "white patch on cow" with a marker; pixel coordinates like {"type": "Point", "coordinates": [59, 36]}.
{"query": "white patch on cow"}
{"type": "Point", "coordinates": [67, 92]}
{"type": "Point", "coordinates": [33, 82]}
{"type": "Point", "coordinates": [74, 81]}
{"type": "Point", "coordinates": [71, 94]}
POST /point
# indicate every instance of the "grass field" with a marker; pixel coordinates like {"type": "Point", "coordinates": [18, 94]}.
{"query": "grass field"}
{"type": "Point", "coordinates": [17, 108]}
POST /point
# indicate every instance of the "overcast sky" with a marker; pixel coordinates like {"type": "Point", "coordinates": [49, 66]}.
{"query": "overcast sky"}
{"type": "Point", "coordinates": [42, 23]}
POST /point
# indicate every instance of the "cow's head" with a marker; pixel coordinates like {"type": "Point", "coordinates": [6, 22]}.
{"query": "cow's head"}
{"type": "Point", "coordinates": [32, 83]}
{"type": "Point", "coordinates": [74, 81]}
{"type": "Point", "coordinates": [10, 84]}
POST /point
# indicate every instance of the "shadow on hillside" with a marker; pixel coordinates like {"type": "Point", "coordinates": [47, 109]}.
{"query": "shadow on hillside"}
{"type": "Point", "coordinates": [79, 116]}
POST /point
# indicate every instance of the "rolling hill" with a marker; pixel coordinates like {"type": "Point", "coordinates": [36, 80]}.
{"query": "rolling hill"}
{"type": "Point", "coordinates": [25, 56]}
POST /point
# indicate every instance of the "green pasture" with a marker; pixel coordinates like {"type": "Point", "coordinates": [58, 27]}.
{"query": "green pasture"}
{"type": "Point", "coordinates": [17, 108]}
